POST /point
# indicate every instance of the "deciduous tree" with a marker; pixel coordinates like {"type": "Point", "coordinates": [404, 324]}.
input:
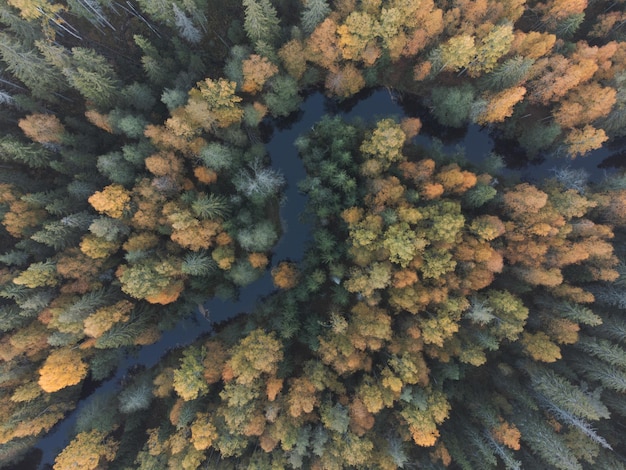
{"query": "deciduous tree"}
{"type": "Point", "coordinates": [285, 275]}
{"type": "Point", "coordinates": [256, 71]}
{"type": "Point", "coordinates": [63, 368]}
{"type": "Point", "coordinates": [87, 450]}
{"type": "Point", "coordinates": [43, 128]}
{"type": "Point", "coordinates": [113, 200]}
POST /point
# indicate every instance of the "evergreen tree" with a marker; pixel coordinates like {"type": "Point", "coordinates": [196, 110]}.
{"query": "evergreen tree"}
{"type": "Point", "coordinates": [261, 21]}
{"type": "Point", "coordinates": [92, 76]}
{"type": "Point", "coordinates": [185, 26]}
{"type": "Point", "coordinates": [314, 13]}
{"type": "Point", "coordinates": [31, 69]}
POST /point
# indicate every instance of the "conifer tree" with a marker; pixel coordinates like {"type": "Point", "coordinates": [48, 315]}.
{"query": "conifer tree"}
{"type": "Point", "coordinates": [261, 21]}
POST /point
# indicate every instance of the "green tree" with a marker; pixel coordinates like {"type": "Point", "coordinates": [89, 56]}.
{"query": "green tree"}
{"type": "Point", "coordinates": [314, 13]}
{"type": "Point", "coordinates": [30, 68]}
{"type": "Point", "coordinates": [189, 380]}
{"type": "Point", "coordinates": [452, 106]}
{"type": "Point", "coordinates": [93, 76]}
{"type": "Point", "coordinates": [261, 21]}
{"type": "Point", "coordinates": [512, 72]}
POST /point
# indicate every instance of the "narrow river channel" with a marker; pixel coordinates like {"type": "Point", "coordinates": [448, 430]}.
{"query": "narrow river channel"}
{"type": "Point", "coordinates": [291, 246]}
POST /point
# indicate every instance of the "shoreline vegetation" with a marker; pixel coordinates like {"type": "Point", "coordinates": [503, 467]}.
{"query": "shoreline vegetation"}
{"type": "Point", "coordinates": [445, 313]}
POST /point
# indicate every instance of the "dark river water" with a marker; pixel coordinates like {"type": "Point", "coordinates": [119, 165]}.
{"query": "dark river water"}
{"type": "Point", "coordinates": [280, 146]}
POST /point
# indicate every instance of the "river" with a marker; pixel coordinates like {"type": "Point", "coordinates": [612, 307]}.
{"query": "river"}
{"type": "Point", "coordinates": [280, 146]}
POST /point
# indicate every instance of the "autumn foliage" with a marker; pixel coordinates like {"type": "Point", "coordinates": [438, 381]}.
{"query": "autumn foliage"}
{"type": "Point", "coordinates": [63, 368]}
{"type": "Point", "coordinates": [443, 313]}
{"type": "Point", "coordinates": [285, 275]}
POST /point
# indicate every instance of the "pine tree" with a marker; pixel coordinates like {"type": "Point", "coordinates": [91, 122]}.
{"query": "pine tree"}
{"type": "Point", "coordinates": [558, 392]}
{"type": "Point", "coordinates": [33, 155]}
{"type": "Point", "coordinates": [314, 13]}
{"type": "Point", "coordinates": [210, 207]}
{"type": "Point", "coordinates": [198, 264]}
{"type": "Point", "coordinates": [451, 106]}
{"type": "Point", "coordinates": [93, 77]}
{"type": "Point", "coordinates": [28, 67]}
{"type": "Point", "coordinates": [258, 182]}
{"type": "Point", "coordinates": [510, 73]}
{"type": "Point", "coordinates": [56, 235]}
{"type": "Point", "coordinates": [261, 21]}
{"type": "Point", "coordinates": [135, 397]}
{"type": "Point", "coordinates": [185, 26]}
{"type": "Point", "coordinates": [97, 414]}
{"type": "Point", "coordinates": [115, 167]}
{"type": "Point", "coordinates": [160, 70]}
{"type": "Point", "coordinates": [283, 97]}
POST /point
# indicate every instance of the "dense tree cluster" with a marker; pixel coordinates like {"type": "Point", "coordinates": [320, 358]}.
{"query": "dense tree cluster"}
{"type": "Point", "coordinates": [443, 315]}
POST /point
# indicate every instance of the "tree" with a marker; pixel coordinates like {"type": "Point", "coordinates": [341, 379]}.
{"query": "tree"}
{"type": "Point", "coordinates": [261, 21]}
{"type": "Point", "coordinates": [33, 155]}
{"type": "Point", "coordinates": [40, 274]}
{"type": "Point", "coordinates": [185, 26]}
{"type": "Point", "coordinates": [497, 107]}
{"type": "Point", "coordinates": [510, 73]}
{"type": "Point", "coordinates": [258, 182]}
{"type": "Point", "coordinates": [92, 76]}
{"type": "Point", "coordinates": [34, 10]}
{"type": "Point", "coordinates": [292, 54]}
{"type": "Point", "coordinates": [258, 353]}
{"type": "Point", "coordinates": [104, 318]}
{"type": "Point", "coordinates": [302, 397]}
{"type": "Point", "coordinates": [63, 368]}
{"type": "Point", "coordinates": [458, 52]}
{"type": "Point", "coordinates": [423, 414]}
{"type": "Point", "coordinates": [27, 65]}
{"type": "Point", "coordinates": [285, 275]}
{"type": "Point", "coordinates": [155, 280]}
{"type": "Point", "coordinates": [323, 45]}
{"type": "Point", "coordinates": [256, 71]}
{"type": "Point", "coordinates": [524, 199]}
{"type": "Point", "coordinates": [452, 105]}
{"type": "Point", "coordinates": [385, 143]}
{"type": "Point", "coordinates": [570, 398]}
{"type": "Point", "coordinates": [113, 200]}
{"type": "Point", "coordinates": [189, 381]}
{"type": "Point", "coordinates": [559, 76]}
{"type": "Point", "coordinates": [490, 49]}
{"type": "Point", "coordinates": [203, 432]}
{"type": "Point", "coordinates": [283, 96]}
{"type": "Point", "coordinates": [117, 168]}
{"type": "Point", "coordinates": [581, 141]}
{"type": "Point", "coordinates": [87, 450]}
{"type": "Point", "coordinates": [43, 128]}
{"type": "Point", "coordinates": [136, 397]}
{"type": "Point", "coordinates": [212, 104]}
{"type": "Point", "coordinates": [537, 137]}
{"type": "Point", "coordinates": [97, 247]}
{"type": "Point", "coordinates": [540, 347]}
{"type": "Point", "coordinates": [584, 105]}
{"type": "Point", "coordinates": [313, 14]}
{"type": "Point", "coordinates": [356, 38]}
{"type": "Point", "coordinates": [555, 11]}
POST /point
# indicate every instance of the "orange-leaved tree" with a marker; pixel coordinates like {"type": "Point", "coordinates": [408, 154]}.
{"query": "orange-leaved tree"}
{"type": "Point", "coordinates": [63, 368]}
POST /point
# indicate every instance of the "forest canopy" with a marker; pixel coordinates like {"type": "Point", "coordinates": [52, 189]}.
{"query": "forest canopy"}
{"type": "Point", "coordinates": [445, 314]}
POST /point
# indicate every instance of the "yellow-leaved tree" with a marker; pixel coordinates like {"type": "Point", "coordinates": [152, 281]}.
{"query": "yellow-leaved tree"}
{"type": "Point", "coordinates": [63, 368]}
